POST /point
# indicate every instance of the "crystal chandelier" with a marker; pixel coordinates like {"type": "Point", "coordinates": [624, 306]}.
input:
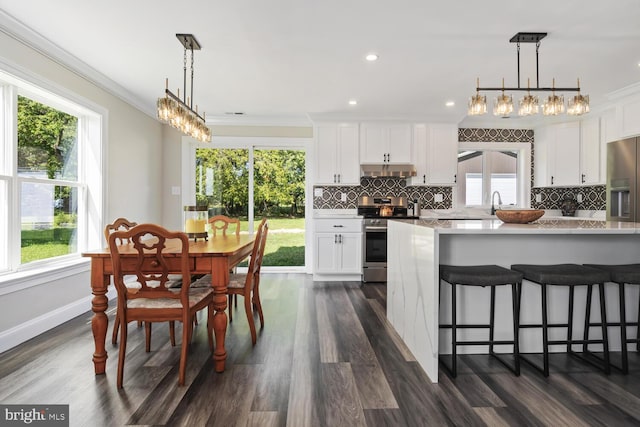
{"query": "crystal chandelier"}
{"type": "Point", "coordinates": [578, 104]}
{"type": "Point", "coordinates": [477, 103]}
{"type": "Point", "coordinates": [528, 105]}
{"type": "Point", "coordinates": [554, 104]}
{"type": "Point", "coordinates": [503, 104]}
{"type": "Point", "coordinates": [179, 113]}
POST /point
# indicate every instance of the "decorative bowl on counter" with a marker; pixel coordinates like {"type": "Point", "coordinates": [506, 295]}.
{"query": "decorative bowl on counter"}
{"type": "Point", "coordinates": [519, 216]}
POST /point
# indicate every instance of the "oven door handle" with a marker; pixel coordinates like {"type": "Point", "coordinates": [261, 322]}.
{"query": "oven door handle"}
{"type": "Point", "coordinates": [374, 228]}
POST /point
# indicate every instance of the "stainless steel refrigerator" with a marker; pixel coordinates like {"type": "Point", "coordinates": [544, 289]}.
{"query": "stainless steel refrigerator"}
{"type": "Point", "coordinates": [623, 161]}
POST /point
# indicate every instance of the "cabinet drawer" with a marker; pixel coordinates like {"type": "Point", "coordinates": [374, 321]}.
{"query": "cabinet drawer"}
{"type": "Point", "coordinates": [350, 225]}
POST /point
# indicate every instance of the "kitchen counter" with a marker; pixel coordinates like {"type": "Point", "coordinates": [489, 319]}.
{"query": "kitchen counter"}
{"type": "Point", "coordinates": [416, 249]}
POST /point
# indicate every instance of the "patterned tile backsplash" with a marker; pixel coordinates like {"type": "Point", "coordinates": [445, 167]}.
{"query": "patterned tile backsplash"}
{"type": "Point", "coordinates": [381, 187]}
{"type": "Point", "coordinates": [593, 197]}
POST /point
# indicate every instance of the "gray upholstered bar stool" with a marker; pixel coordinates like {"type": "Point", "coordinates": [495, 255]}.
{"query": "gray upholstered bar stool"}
{"type": "Point", "coordinates": [627, 274]}
{"type": "Point", "coordinates": [570, 275]}
{"type": "Point", "coordinates": [482, 275]}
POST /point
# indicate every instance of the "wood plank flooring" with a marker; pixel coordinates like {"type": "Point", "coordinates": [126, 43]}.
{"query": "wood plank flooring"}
{"type": "Point", "coordinates": [326, 357]}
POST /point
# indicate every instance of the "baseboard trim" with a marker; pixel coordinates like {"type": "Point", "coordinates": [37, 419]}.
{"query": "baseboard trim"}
{"type": "Point", "coordinates": [34, 327]}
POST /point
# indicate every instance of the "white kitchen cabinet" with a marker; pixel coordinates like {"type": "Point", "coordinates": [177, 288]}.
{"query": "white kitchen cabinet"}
{"type": "Point", "coordinates": [435, 154]}
{"type": "Point", "coordinates": [385, 143]}
{"type": "Point", "coordinates": [338, 246]}
{"type": "Point", "coordinates": [568, 154]}
{"type": "Point", "coordinates": [336, 152]}
{"type": "Point", "coordinates": [590, 152]}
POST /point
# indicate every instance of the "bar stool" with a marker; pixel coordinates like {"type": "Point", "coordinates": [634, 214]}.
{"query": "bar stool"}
{"type": "Point", "coordinates": [482, 275]}
{"type": "Point", "coordinates": [627, 274]}
{"type": "Point", "coordinates": [570, 275]}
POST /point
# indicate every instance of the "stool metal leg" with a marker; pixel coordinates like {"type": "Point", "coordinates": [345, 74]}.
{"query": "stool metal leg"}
{"type": "Point", "coordinates": [516, 333]}
{"type": "Point", "coordinates": [570, 320]}
{"type": "Point", "coordinates": [623, 328]}
{"type": "Point", "coordinates": [454, 337]}
{"type": "Point", "coordinates": [587, 318]}
{"type": "Point", "coordinates": [492, 315]}
{"type": "Point", "coordinates": [605, 334]}
{"type": "Point", "coordinates": [545, 333]}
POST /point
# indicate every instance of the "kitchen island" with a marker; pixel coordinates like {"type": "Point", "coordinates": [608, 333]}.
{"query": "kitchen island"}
{"type": "Point", "coordinates": [417, 247]}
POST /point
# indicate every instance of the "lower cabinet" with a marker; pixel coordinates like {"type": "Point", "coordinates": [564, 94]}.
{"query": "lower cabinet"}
{"type": "Point", "coordinates": [337, 248]}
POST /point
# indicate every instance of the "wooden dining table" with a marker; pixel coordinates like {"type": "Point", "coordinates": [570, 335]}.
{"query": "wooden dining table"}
{"type": "Point", "coordinates": [215, 256]}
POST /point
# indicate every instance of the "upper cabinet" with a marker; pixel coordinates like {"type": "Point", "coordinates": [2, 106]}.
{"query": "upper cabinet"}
{"type": "Point", "coordinates": [568, 154]}
{"type": "Point", "coordinates": [385, 143]}
{"type": "Point", "coordinates": [436, 154]}
{"type": "Point", "coordinates": [336, 149]}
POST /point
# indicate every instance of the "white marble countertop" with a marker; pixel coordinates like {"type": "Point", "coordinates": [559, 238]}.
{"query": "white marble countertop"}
{"type": "Point", "coordinates": [336, 214]}
{"type": "Point", "coordinates": [541, 226]}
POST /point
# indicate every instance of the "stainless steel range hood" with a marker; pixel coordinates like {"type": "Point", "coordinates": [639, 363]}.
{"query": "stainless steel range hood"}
{"type": "Point", "coordinates": [387, 171]}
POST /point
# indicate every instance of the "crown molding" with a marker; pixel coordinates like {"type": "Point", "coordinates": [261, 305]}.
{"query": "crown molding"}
{"type": "Point", "coordinates": [242, 120]}
{"type": "Point", "coordinates": [633, 89]}
{"type": "Point", "coordinates": [30, 38]}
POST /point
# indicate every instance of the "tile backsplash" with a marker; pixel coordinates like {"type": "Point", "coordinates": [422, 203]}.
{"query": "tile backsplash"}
{"type": "Point", "coordinates": [593, 197]}
{"type": "Point", "coordinates": [381, 187]}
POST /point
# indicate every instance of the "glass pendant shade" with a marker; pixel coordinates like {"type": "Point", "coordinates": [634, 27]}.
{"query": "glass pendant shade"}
{"type": "Point", "coordinates": [553, 105]}
{"type": "Point", "coordinates": [503, 105]}
{"type": "Point", "coordinates": [528, 105]}
{"type": "Point", "coordinates": [578, 105]}
{"type": "Point", "coordinates": [477, 105]}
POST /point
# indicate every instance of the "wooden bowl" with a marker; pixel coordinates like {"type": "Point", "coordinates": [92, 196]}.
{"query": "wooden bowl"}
{"type": "Point", "coordinates": [519, 216]}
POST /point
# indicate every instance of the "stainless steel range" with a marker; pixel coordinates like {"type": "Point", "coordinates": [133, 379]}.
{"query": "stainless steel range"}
{"type": "Point", "coordinates": [376, 211]}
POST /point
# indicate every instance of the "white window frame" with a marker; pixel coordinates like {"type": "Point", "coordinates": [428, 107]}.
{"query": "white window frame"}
{"type": "Point", "coordinates": [523, 167]}
{"type": "Point", "coordinates": [254, 143]}
{"type": "Point", "coordinates": [92, 124]}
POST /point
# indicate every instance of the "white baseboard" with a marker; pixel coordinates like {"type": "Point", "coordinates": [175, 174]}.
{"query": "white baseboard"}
{"type": "Point", "coordinates": [34, 327]}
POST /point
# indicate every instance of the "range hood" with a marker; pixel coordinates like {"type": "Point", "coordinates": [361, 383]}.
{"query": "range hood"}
{"type": "Point", "coordinates": [383, 170]}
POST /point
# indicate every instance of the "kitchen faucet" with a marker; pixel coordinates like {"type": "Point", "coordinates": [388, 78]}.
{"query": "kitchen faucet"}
{"type": "Point", "coordinates": [493, 207]}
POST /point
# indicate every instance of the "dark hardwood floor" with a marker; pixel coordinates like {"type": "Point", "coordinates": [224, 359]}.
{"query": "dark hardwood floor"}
{"type": "Point", "coordinates": [326, 357]}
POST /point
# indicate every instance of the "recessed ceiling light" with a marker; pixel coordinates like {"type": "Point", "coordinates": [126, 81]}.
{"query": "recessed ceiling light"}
{"type": "Point", "coordinates": [371, 57]}
{"type": "Point", "coordinates": [353, 102]}
{"type": "Point", "coordinates": [450, 104]}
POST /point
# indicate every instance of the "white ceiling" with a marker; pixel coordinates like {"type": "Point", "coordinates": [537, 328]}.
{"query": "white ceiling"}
{"type": "Point", "coordinates": [295, 59]}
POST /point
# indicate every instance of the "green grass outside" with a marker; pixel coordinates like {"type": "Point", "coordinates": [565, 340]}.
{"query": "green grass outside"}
{"type": "Point", "coordinates": [283, 248]}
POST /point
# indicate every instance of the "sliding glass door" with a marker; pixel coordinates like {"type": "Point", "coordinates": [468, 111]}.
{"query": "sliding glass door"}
{"type": "Point", "coordinates": [255, 182]}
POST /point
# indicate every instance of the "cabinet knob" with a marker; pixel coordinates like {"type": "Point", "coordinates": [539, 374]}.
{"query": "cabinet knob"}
{"type": "Point", "coordinates": [334, 178]}
{"type": "Point", "coordinates": [455, 178]}
{"type": "Point", "coordinates": [339, 238]}
{"type": "Point", "coordinates": [339, 178]}
{"type": "Point", "coordinates": [335, 238]}
{"type": "Point", "coordinates": [424, 179]}
{"type": "Point", "coordinates": [551, 179]}
{"type": "Point", "coordinates": [583, 178]}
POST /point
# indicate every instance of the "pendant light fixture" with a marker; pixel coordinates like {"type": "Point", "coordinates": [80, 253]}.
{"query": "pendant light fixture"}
{"type": "Point", "coordinates": [179, 113]}
{"type": "Point", "coordinates": [528, 105]}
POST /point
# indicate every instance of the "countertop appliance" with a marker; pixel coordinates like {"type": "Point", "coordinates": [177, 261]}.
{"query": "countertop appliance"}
{"type": "Point", "coordinates": [376, 211]}
{"type": "Point", "coordinates": [623, 162]}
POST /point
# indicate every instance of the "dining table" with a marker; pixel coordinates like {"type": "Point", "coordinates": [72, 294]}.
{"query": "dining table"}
{"type": "Point", "coordinates": [215, 256]}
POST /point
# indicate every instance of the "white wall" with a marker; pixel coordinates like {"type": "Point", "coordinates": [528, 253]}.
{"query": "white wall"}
{"type": "Point", "coordinates": [133, 151]}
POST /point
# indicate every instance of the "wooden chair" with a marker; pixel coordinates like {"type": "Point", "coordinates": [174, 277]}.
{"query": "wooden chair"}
{"type": "Point", "coordinates": [176, 280]}
{"type": "Point", "coordinates": [223, 224]}
{"type": "Point", "coordinates": [152, 300]}
{"type": "Point", "coordinates": [247, 285]}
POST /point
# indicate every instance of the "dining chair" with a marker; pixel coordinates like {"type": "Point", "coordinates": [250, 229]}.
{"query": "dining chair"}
{"type": "Point", "coordinates": [225, 225]}
{"type": "Point", "coordinates": [247, 285]}
{"type": "Point", "coordinates": [175, 281]}
{"type": "Point", "coordinates": [151, 250]}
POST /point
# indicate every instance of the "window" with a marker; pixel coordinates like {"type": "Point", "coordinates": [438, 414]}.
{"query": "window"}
{"type": "Point", "coordinates": [251, 183]}
{"type": "Point", "coordinates": [50, 176]}
{"type": "Point", "coordinates": [489, 167]}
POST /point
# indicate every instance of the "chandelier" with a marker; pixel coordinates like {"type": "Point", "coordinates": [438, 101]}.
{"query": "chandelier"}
{"type": "Point", "coordinates": [528, 105]}
{"type": "Point", "coordinates": [179, 113]}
